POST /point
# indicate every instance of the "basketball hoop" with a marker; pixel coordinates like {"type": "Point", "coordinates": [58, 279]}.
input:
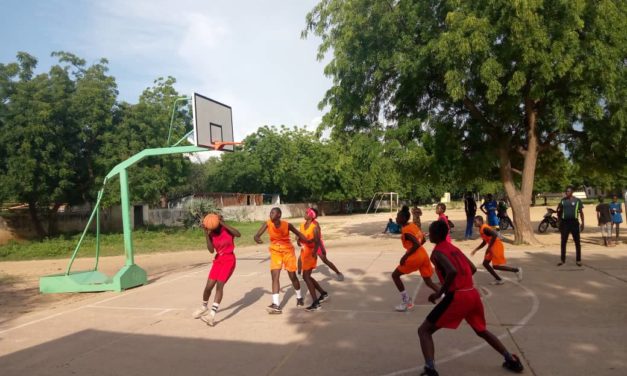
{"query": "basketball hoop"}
{"type": "Point", "coordinates": [218, 146]}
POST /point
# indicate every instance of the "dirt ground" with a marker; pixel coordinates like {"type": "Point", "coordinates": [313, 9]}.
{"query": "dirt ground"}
{"type": "Point", "coordinates": [562, 321]}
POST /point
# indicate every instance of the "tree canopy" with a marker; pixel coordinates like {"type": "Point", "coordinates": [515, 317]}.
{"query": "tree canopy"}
{"type": "Point", "coordinates": [63, 130]}
{"type": "Point", "coordinates": [496, 83]}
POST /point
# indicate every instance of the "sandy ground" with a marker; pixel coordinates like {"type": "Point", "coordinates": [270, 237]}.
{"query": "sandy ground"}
{"type": "Point", "coordinates": [563, 321]}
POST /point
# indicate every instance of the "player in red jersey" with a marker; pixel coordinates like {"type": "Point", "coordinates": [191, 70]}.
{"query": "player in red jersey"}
{"type": "Point", "coordinates": [461, 302]}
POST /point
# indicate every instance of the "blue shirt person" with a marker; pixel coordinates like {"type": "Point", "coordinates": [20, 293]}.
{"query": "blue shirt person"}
{"type": "Point", "coordinates": [489, 208]}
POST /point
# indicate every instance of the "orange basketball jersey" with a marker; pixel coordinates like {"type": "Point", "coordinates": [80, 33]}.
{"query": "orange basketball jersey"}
{"type": "Point", "coordinates": [279, 237]}
{"type": "Point", "coordinates": [412, 229]}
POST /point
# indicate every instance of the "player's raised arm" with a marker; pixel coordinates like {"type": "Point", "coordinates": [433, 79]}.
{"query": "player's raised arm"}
{"type": "Point", "coordinates": [293, 229]}
{"type": "Point", "coordinates": [210, 246]}
{"type": "Point", "coordinates": [262, 229]}
{"type": "Point", "coordinates": [232, 230]}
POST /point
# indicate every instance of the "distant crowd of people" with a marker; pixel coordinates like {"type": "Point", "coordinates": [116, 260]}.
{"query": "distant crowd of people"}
{"type": "Point", "coordinates": [570, 219]}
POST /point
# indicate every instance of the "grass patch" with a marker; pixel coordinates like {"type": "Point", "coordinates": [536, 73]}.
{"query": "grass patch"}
{"type": "Point", "coordinates": [148, 240]}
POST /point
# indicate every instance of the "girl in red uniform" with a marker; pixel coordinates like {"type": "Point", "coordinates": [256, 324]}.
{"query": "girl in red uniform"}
{"type": "Point", "coordinates": [440, 209]}
{"type": "Point", "coordinates": [461, 302]}
{"type": "Point", "coordinates": [220, 240]}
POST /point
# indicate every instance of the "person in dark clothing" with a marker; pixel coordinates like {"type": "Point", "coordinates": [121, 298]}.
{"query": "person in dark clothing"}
{"type": "Point", "coordinates": [470, 207]}
{"type": "Point", "coordinates": [604, 217]}
{"type": "Point", "coordinates": [569, 210]}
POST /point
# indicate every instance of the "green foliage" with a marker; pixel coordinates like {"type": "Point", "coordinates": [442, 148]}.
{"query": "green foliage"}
{"type": "Point", "coordinates": [485, 86]}
{"type": "Point", "coordinates": [197, 209]}
{"type": "Point", "coordinates": [62, 131]}
{"type": "Point", "coordinates": [475, 66]}
{"type": "Point", "coordinates": [146, 240]}
{"type": "Point", "coordinates": [300, 166]}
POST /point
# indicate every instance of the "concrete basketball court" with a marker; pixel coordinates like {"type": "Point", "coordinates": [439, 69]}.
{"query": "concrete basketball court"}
{"type": "Point", "coordinates": [561, 321]}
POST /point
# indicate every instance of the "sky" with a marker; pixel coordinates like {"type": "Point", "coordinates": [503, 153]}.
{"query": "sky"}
{"type": "Point", "coordinates": [247, 54]}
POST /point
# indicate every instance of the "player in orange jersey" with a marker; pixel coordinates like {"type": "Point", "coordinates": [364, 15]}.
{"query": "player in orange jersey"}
{"type": "Point", "coordinates": [414, 259]}
{"type": "Point", "coordinates": [495, 253]}
{"type": "Point", "coordinates": [282, 256]}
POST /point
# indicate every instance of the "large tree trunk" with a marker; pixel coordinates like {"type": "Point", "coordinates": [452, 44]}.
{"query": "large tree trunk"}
{"type": "Point", "coordinates": [520, 199]}
{"type": "Point", "coordinates": [53, 220]}
{"type": "Point", "coordinates": [39, 228]}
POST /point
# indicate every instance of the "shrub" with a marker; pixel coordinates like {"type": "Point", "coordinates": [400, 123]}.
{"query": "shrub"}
{"type": "Point", "coordinates": [197, 209]}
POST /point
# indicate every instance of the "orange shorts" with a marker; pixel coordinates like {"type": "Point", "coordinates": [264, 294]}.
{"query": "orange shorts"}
{"type": "Point", "coordinates": [283, 259]}
{"type": "Point", "coordinates": [307, 259]}
{"type": "Point", "coordinates": [496, 256]}
{"type": "Point", "coordinates": [419, 261]}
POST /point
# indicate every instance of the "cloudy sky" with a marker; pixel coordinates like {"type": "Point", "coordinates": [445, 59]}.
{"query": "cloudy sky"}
{"type": "Point", "coordinates": [247, 54]}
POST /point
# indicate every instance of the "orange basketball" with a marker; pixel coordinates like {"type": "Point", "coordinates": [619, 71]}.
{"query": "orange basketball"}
{"type": "Point", "coordinates": [211, 221]}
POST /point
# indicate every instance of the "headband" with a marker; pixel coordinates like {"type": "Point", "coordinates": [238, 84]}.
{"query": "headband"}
{"type": "Point", "coordinates": [311, 213]}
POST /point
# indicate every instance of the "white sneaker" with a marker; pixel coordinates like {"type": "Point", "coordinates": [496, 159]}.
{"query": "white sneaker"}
{"type": "Point", "coordinates": [200, 312]}
{"type": "Point", "coordinates": [209, 320]}
{"type": "Point", "coordinates": [519, 274]}
{"type": "Point", "coordinates": [340, 277]}
{"type": "Point", "coordinates": [404, 307]}
{"type": "Point", "coordinates": [497, 282]}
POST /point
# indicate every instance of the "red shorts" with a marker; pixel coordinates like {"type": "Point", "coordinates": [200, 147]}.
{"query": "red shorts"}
{"type": "Point", "coordinates": [222, 268]}
{"type": "Point", "coordinates": [457, 306]}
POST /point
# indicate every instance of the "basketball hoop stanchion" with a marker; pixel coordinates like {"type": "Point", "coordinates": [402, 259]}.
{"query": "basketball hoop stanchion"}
{"type": "Point", "coordinates": [130, 275]}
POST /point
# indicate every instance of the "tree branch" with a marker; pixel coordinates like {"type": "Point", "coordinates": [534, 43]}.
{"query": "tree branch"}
{"type": "Point", "coordinates": [522, 151]}
{"type": "Point", "coordinates": [548, 141]}
{"type": "Point", "coordinates": [515, 170]}
{"type": "Point", "coordinates": [475, 111]}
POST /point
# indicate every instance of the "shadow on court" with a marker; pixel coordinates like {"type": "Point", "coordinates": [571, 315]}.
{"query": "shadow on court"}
{"type": "Point", "coordinates": [579, 320]}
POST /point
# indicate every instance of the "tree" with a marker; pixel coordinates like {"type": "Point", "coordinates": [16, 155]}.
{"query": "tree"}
{"type": "Point", "coordinates": [145, 125]}
{"type": "Point", "coordinates": [509, 79]}
{"type": "Point", "coordinates": [37, 127]}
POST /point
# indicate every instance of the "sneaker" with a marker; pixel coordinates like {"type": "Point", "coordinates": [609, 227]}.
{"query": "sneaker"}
{"type": "Point", "coordinates": [340, 277]}
{"type": "Point", "coordinates": [578, 263]}
{"type": "Point", "coordinates": [513, 365]}
{"type": "Point", "coordinates": [519, 274]}
{"type": "Point", "coordinates": [323, 297]}
{"type": "Point", "coordinates": [315, 306]}
{"type": "Point", "coordinates": [404, 307]}
{"type": "Point", "coordinates": [200, 312]}
{"type": "Point", "coordinates": [429, 372]}
{"type": "Point", "coordinates": [300, 302]}
{"type": "Point", "coordinates": [560, 263]}
{"type": "Point", "coordinates": [209, 320]}
{"type": "Point", "coordinates": [497, 282]}
{"type": "Point", "coordinates": [274, 309]}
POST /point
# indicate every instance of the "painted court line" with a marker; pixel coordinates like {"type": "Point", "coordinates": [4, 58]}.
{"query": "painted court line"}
{"type": "Point", "coordinates": [122, 294]}
{"type": "Point", "coordinates": [534, 309]}
{"type": "Point", "coordinates": [136, 308]}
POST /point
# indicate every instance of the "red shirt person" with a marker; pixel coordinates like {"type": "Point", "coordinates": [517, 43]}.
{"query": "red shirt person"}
{"type": "Point", "coordinates": [461, 301]}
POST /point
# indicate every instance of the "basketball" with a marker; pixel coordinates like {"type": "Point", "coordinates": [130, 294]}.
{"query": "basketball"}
{"type": "Point", "coordinates": [211, 221]}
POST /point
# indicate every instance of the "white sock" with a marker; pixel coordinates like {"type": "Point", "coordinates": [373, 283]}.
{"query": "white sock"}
{"type": "Point", "coordinates": [298, 295]}
{"type": "Point", "coordinates": [275, 299]}
{"type": "Point", "coordinates": [214, 308]}
{"type": "Point", "coordinates": [404, 296]}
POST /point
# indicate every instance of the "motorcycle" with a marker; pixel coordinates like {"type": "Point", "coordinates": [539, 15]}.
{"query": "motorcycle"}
{"type": "Point", "coordinates": [550, 219]}
{"type": "Point", "coordinates": [505, 221]}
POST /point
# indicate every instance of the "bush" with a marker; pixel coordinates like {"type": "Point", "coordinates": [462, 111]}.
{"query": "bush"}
{"type": "Point", "coordinates": [197, 209]}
